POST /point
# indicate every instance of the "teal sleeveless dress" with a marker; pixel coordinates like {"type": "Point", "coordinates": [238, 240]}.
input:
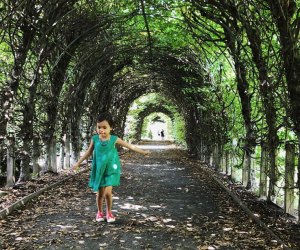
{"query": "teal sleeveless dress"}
{"type": "Point", "coordinates": [106, 165]}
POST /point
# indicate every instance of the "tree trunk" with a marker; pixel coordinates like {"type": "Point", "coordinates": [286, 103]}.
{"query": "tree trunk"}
{"type": "Point", "coordinates": [253, 173]}
{"type": "Point", "coordinates": [35, 156]}
{"type": "Point", "coordinates": [193, 137]}
{"type": "Point", "coordinates": [57, 77]}
{"type": "Point", "coordinates": [233, 166]}
{"type": "Point", "coordinates": [208, 154]}
{"type": "Point", "coordinates": [247, 172]}
{"type": "Point", "coordinates": [263, 171]}
{"type": "Point", "coordinates": [10, 178]}
{"type": "Point", "coordinates": [202, 150]}
{"type": "Point", "coordinates": [53, 155]}
{"type": "Point", "coordinates": [298, 177]}
{"type": "Point", "coordinates": [51, 161]}
{"type": "Point", "coordinates": [223, 163]}
{"type": "Point", "coordinates": [272, 173]}
{"type": "Point", "coordinates": [47, 166]}
{"type": "Point", "coordinates": [267, 92]}
{"type": "Point", "coordinates": [2, 169]}
{"type": "Point", "coordinates": [63, 148]}
{"type": "Point", "coordinates": [25, 162]}
{"type": "Point", "coordinates": [227, 167]}
{"type": "Point", "coordinates": [27, 138]}
{"type": "Point", "coordinates": [29, 115]}
{"type": "Point", "coordinates": [217, 157]}
{"type": "Point", "coordinates": [283, 12]}
{"type": "Point", "coordinates": [62, 155]}
{"type": "Point", "coordinates": [68, 150]}
{"type": "Point", "coordinates": [245, 96]}
{"type": "Point", "coordinates": [75, 138]}
{"type": "Point", "coordinates": [289, 196]}
{"type": "Point", "coordinates": [74, 156]}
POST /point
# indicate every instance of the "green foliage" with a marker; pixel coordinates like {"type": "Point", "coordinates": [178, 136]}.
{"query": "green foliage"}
{"type": "Point", "coordinates": [6, 62]}
{"type": "Point", "coordinates": [180, 130]}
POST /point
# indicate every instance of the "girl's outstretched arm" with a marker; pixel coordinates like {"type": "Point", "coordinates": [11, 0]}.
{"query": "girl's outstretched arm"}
{"type": "Point", "coordinates": [86, 155]}
{"type": "Point", "coordinates": [132, 147]}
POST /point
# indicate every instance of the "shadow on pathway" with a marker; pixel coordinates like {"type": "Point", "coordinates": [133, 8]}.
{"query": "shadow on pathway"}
{"type": "Point", "coordinates": [164, 202]}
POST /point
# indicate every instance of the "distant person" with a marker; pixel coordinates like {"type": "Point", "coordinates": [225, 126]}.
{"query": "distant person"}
{"type": "Point", "coordinates": [150, 134]}
{"type": "Point", "coordinates": [162, 134]}
{"type": "Point", "coordinates": [106, 166]}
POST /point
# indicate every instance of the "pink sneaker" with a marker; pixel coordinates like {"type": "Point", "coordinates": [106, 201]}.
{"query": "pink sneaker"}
{"type": "Point", "coordinates": [99, 216]}
{"type": "Point", "coordinates": [110, 217]}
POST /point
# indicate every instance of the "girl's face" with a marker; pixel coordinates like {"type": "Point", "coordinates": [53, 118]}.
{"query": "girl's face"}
{"type": "Point", "coordinates": [103, 129]}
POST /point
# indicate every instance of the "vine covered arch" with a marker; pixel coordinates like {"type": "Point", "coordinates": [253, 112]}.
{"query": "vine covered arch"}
{"type": "Point", "coordinates": [146, 111]}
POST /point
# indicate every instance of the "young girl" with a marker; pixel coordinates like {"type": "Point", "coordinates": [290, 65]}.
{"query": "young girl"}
{"type": "Point", "coordinates": [106, 167]}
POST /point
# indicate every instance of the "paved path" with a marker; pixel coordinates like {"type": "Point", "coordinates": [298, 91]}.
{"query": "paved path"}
{"type": "Point", "coordinates": [164, 202]}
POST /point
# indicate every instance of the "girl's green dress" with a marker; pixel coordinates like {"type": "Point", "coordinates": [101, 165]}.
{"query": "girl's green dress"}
{"type": "Point", "coordinates": [106, 165]}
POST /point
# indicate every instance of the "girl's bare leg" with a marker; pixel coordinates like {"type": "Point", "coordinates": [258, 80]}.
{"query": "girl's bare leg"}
{"type": "Point", "coordinates": [108, 198]}
{"type": "Point", "coordinates": [99, 199]}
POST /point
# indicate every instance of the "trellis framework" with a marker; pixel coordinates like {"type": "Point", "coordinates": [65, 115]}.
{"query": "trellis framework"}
{"type": "Point", "coordinates": [229, 67]}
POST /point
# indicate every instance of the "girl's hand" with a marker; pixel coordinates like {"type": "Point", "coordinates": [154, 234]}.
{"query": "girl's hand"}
{"type": "Point", "coordinates": [75, 168]}
{"type": "Point", "coordinates": [147, 153]}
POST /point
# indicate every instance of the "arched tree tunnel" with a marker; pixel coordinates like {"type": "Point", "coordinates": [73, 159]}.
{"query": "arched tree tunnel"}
{"type": "Point", "coordinates": [231, 78]}
{"type": "Point", "coordinates": [170, 82]}
{"type": "Point", "coordinates": [149, 109]}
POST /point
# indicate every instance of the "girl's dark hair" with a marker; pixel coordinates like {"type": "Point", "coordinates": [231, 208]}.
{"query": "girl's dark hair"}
{"type": "Point", "coordinates": [106, 117]}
